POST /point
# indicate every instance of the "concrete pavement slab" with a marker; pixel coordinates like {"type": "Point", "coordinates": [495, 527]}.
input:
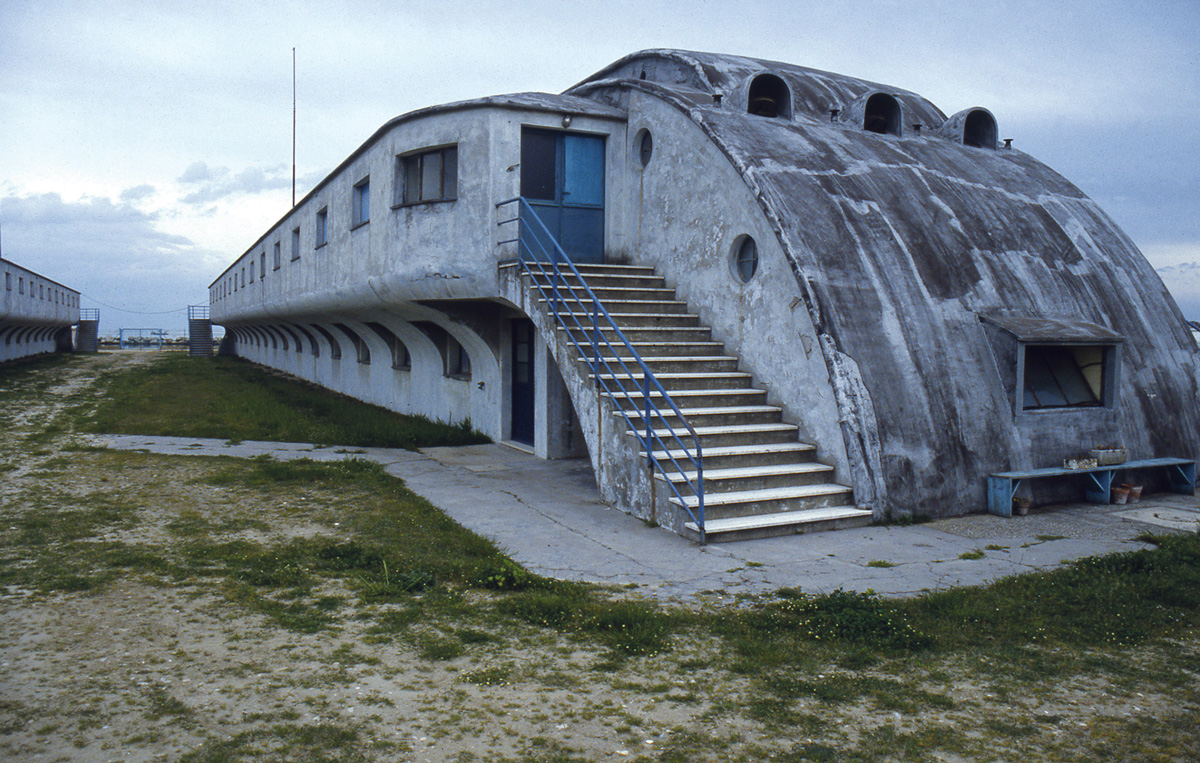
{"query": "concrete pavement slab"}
{"type": "Point", "coordinates": [548, 516]}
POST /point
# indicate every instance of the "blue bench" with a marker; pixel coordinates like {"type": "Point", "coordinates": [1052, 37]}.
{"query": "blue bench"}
{"type": "Point", "coordinates": [1003, 486]}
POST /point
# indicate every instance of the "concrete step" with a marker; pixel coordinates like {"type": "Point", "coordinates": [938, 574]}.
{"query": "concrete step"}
{"type": "Point", "coordinates": [609, 280]}
{"type": "Point", "coordinates": [653, 349]}
{"type": "Point", "coordinates": [582, 321]}
{"type": "Point", "coordinates": [583, 304]}
{"type": "Point", "coordinates": [676, 380]}
{"type": "Point", "coordinates": [614, 293]}
{"type": "Point", "coordinates": [775, 500]}
{"type": "Point", "coordinates": [715, 416]}
{"type": "Point", "coordinates": [781, 523]}
{"type": "Point", "coordinates": [646, 333]}
{"type": "Point", "coordinates": [704, 398]}
{"type": "Point", "coordinates": [725, 434]}
{"type": "Point", "coordinates": [756, 454]}
{"type": "Point", "coordinates": [758, 477]}
{"type": "Point", "coordinates": [666, 363]}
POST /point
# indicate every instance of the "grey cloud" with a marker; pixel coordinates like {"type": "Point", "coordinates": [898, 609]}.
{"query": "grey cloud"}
{"type": "Point", "coordinates": [199, 172]}
{"type": "Point", "coordinates": [217, 183]}
{"type": "Point", "coordinates": [112, 252]}
{"type": "Point", "coordinates": [137, 193]}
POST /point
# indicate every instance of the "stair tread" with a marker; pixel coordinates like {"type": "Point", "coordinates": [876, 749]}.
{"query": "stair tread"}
{"type": "Point", "coordinates": [714, 411]}
{"type": "Point", "coordinates": [728, 429]}
{"type": "Point", "coordinates": [694, 374]}
{"type": "Point", "coordinates": [745, 391]}
{"type": "Point", "coordinates": [756, 449]}
{"type": "Point", "coordinates": [738, 472]}
{"type": "Point", "coordinates": [780, 519]}
{"type": "Point", "coordinates": [665, 358]}
{"type": "Point", "coordinates": [763, 494]}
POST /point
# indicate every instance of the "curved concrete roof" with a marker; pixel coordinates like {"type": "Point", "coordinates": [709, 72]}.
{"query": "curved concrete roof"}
{"type": "Point", "coordinates": [900, 243]}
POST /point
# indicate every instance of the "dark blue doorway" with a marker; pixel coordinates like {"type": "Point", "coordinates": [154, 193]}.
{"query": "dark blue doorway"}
{"type": "Point", "coordinates": [522, 381]}
{"type": "Point", "coordinates": [562, 177]}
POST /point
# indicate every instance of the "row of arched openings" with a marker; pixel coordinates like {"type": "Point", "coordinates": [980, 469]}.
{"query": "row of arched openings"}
{"type": "Point", "coordinates": [296, 337]}
{"type": "Point", "coordinates": [770, 97]}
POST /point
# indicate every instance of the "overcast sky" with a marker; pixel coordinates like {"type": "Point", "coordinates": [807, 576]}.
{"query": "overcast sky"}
{"type": "Point", "coordinates": [145, 145]}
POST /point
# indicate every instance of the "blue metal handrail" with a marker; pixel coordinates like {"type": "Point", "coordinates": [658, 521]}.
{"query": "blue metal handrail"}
{"type": "Point", "coordinates": [617, 377]}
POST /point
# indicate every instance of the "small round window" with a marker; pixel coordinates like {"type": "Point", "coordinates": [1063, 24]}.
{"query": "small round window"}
{"type": "Point", "coordinates": [744, 258]}
{"type": "Point", "coordinates": [645, 147]}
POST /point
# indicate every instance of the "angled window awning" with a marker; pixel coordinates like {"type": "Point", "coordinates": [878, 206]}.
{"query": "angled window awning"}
{"type": "Point", "coordinates": [1034, 329]}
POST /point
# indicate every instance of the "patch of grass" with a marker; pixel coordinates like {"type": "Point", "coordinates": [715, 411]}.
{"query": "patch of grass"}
{"type": "Point", "coordinates": [312, 743]}
{"type": "Point", "coordinates": [439, 647]}
{"type": "Point", "coordinates": [231, 399]}
{"type": "Point", "coordinates": [493, 676]}
{"type": "Point", "coordinates": [880, 563]}
{"type": "Point", "coordinates": [1117, 600]}
{"type": "Point", "coordinates": [971, 555]}
{"type": "Point", "coordinates": [627, 627]}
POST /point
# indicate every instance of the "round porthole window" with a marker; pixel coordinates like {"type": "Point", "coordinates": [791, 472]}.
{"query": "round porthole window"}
{"type": "Point", "coordinates": [744, 258]}
{"type": "Point", "coordinates": [645, 147]}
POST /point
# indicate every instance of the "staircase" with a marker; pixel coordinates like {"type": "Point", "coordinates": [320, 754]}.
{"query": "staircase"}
{"type": "Point", "coordinates": [200, 341]}
{"type": "Point", "coordinates": [759, 480]}
{"type": "Point", "coordinates": [87, 336]}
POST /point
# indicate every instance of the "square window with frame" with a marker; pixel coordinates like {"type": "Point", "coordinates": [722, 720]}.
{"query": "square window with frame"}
{"type": "Point", "coordinates": [360, 213]}
{"type": "Point", "coordinates": [1067, 376]}
{"type": "Point", "coordinates": [428, 175]}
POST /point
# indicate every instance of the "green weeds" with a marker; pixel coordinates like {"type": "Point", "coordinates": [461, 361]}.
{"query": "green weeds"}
{"type": "Point", "coordinates": [231, 399]}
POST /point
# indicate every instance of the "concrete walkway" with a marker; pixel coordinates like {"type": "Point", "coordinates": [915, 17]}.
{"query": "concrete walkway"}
{"type": "Point", "coordinates": [549, 517]}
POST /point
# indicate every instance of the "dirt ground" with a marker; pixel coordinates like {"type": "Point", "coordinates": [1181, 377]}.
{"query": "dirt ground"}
{"type": "Point", "coordinates": [140, 669]}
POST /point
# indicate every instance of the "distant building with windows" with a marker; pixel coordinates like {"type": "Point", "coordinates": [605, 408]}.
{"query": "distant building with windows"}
{"type": "Point", "coordinates": [36, 314]}
{"type": "Point", "coordinates": [832, 302]}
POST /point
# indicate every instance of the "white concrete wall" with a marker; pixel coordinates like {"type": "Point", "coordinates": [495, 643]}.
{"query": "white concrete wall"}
{"type": "Point", "coordinates": [33, 309]}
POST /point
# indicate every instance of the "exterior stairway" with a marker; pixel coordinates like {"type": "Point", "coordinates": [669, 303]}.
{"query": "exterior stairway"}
{"type": "Point", "coordinates": [200, 340]}
{"type": "Point", "coordinates": [87, 337]}
{"type": "Point", "coordinates": [759, 479]}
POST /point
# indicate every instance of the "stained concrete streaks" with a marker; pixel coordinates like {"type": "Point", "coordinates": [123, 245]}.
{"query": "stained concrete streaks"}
{"type": "Point", "coordinates": [549, 517]}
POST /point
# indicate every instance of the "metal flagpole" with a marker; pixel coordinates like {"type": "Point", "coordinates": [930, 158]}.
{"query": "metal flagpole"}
{"type": "Point", "coordinates": [293, 127]}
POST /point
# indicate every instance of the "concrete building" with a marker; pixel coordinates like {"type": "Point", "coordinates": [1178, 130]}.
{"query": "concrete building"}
{"type": "Point", "coordinates": [841, 302]}
{"type": "Point", "coordinates": [36, 314]}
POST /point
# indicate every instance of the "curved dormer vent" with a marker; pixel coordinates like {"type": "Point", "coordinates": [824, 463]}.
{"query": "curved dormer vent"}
{"type": "Point", "coordinates": [974, 127]}
{"type": "Point", "coordinates": [769, 96]}
{"type": "Point", "coordinates": [980, 130]}
{"type": "Point", "coordinates": [882, 114]}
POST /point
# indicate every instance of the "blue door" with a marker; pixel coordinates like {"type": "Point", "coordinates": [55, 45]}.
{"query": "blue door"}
{"type": "Point", "coordinates": [562, 177]}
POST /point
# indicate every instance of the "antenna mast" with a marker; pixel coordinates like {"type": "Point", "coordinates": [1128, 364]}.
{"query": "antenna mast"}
{"type": "Point", "coordinates": [293, 127]}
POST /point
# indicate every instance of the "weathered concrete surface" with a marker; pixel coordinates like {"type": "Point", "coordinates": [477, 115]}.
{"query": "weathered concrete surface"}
{"type": "Point", "coordinates": [35, 313]}
{"type": "Point", "coordinates": [898, 244]}
{"type": "Point", "coordinates": [549, 517]}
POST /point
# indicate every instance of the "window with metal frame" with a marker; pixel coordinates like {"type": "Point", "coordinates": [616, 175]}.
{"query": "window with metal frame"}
{"type": "Point", "coordinates": [1065, 376]}
{"type": "Point", "coordinates": [360, 213]}
{"type": "Point", "coordinates": [430, 175]}
{"type": "Point", "coordinates": [322, 230]}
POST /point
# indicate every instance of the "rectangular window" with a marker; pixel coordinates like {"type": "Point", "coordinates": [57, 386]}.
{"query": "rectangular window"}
{"type": "Point", "coordinates": [8, 281]}
{"type": "Point", "coordinates": [276, 256]}
{"type": "Point", "coordinates": [427, 176]}
{"type": "Point", "coordinates": [295, 243]}
{"type": "Point", "coordinates": [20, 285]}
{"type": "Point", "coordinates": [361, 203]}
{"type": "Point", "coordinates": [262, 263]}
{"type": "Point", "coordinates": [1067, 376]}
{"type": "Point", "coordinates": [251, 270]}
{"type": "Point", "coordinates": [322, 230]}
